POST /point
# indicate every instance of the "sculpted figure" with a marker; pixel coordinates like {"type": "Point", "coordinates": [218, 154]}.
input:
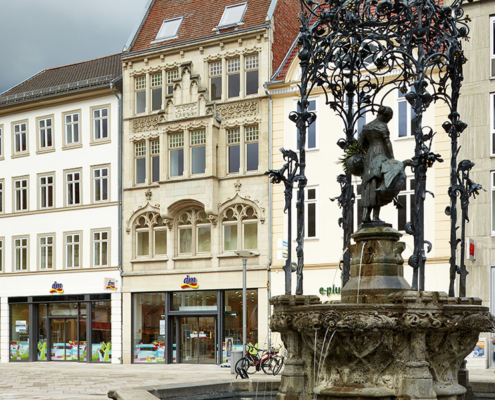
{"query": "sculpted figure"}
{"type": "Point", "coordinates": [383, 176]}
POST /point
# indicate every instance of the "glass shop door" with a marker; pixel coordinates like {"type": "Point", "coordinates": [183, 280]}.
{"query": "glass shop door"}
{"type": "Point", "coordinates": [197, 340]}
{"type": "Point", "coordinates": [63, 339]}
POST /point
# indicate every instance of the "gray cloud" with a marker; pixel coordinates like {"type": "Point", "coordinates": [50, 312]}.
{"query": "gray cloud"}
{"type": "Point", "coordinates": [41, 34]}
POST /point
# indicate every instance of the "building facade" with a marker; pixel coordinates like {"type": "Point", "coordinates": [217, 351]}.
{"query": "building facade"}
{"type": "Point", "coordinates": [195, 149]}
{"type": "Point", "coordinates": [59, 192]}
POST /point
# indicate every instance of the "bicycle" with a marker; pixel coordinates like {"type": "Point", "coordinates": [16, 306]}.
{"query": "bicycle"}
{"type": "Point", "coordinates": [269, 361]}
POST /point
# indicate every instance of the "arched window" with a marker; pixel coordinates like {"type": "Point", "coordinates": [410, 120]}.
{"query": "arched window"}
{"type": "Point", "coordinates": [151, 235]}
{"type": "Point", "coordinates": [240, 228]}
{"type": "Point", "coordinates": [193, 233]}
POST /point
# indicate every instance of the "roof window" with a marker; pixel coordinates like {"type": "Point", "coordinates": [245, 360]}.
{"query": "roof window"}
{"type": "Point", "coordinates": [168, 30]}
{"type": "Point", "coordinates": [232, 15]}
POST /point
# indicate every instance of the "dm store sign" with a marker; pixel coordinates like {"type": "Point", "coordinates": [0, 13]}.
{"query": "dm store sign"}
{"type": "Point", "coordinates": [189, 282]}
{"type": "Point", "coordinates": [57, 288]}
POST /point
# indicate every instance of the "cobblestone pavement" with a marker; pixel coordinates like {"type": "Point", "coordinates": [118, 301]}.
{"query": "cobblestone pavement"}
{"type": "Point", "coordinates": [55, 381]}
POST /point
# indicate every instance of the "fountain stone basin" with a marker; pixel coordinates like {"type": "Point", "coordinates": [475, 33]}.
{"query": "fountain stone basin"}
{"type": "Point", "coordinates": [410, 347]}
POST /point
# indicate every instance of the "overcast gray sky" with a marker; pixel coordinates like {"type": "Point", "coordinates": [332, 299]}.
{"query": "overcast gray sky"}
{"type": "Point", "coordinates": [40, 34]}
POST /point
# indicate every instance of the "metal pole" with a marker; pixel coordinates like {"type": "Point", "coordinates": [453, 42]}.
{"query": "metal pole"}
{"type": "Point", "coordinates": [244, 307]}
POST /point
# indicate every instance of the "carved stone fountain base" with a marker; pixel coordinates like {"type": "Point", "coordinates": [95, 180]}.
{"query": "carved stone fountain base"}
{"type": "Point", "coordinates": [411, 347]}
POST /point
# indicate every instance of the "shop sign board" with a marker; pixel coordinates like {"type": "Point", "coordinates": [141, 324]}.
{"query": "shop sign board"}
{"type": "Point", "coordinates": [21, 326]}
{"type": "Point", "coordinates": [57, 287]}
{"type": "Point", "coordinates": [330, 290]}
{"type": "Point", "coordinates": [109, 284]}
{"type": "Point", "coordinates": [190, 282]}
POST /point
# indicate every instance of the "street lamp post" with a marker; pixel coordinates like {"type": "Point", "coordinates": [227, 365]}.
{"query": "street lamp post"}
{"type": "Point", "coordinates": [244, 254]}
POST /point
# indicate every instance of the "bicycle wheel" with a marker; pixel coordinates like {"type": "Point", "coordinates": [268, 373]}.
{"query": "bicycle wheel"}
{"type": "Point", "coordinates": [279, 366]}
{"type": "Point", "coordinates": [246, 364]}
{"type": "Point", "coordinates": [270, 366]}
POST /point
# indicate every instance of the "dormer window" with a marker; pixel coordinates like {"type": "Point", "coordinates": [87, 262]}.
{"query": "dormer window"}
{"type": "Point", "coordinates": [232, 15]}
{"type": "Point", "coordinates": [168, 30]}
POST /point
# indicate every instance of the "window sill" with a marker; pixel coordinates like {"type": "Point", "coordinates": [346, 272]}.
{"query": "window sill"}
{"type": "Point", "coordinates": [72, 146]}
{"type": "Point", "coordinates": [19, 155]}
{"type": "Point", "coordinates": [148, 259]}
{"type": "Point", "coordinates": [44, 151]}
{"type": "Point", "coordinates": [232, 255]}
{"type": "Point", "coordinates": [197, 257]}
{"type": "Point", "coordinates": [98, 142]}
{"type": "Point", "coordinates": [405, 137]}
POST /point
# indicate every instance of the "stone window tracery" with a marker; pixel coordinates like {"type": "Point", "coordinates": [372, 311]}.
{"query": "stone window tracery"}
{"type": "Point", "coordinates": [151, 235]}
{"type": "Point", "coordinates": [240, 228]}
{"type": "Point", "coordinates": [193, 232]}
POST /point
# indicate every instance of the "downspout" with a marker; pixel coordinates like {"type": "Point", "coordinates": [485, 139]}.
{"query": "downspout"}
{"type": "Point", "coordinates": [270, 206]}
{"type": "Point", "coordinates": [119, 166]}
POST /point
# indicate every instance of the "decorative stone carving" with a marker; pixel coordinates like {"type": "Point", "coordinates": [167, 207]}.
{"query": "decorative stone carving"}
{"type": "Point", "coordinates": [145, 124]}
{"type": "Point", "coordinates": [238, 110]}
{"type": "Point", "coordinates": [186, 110]}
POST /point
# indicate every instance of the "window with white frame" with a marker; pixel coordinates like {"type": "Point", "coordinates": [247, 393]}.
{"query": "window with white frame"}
{"type": "Point", "coordinates": [234, 77]}
{"type": "Point", "coordinates": [140, 86]}
{"type": "Point", "coordinates": [100, 248]}
{"type": "Point", "coordinates": [252, 74]}
{"type": "Point", "coordinates": [193, 232]}
{"type": "Point", "coordinates": [198, 151]}
{"type": "Point", "coordinates": [406, 200]}
{"type": "Point", "coordinates": [234, 150]}
{"type": "Point", "coordinates": [140, 161]}
{"type": "Point", "coordinates": [45, 133]}
{"type": "Point", "coordinates": [100, 184]}
{"type": "Point", "coordinates": [46, 185]}
{"type": "Point", "coordinates": [71, 122]}
{"type": "Point", "coordinates": [358, 206]}
{"type": "Point", "coordinates": [73, 188]}
{"type": "Point", "coordinates": [1, 142]}
{"type": "Point", "coordinates": [492, 47]}
{"type": "Point", "coordinates": [252, 147]}
{"type": "Point", "coordinates": [492, 124]}
{"type": "Point", "coordinates": [176, 153]}
{"type": "Point", "coordinates": [312, 130]}
{"type": "Point", "coordinates": [311, 211]}
{"type": "Point", "coordinates": [155, 160]}
{"type": "Point", "coordinates": [1, 196]}
{"type": "Point", "coordinates": [151, 236]}
{"type": "Point", "coordinates": [240, 228]}
{"type": "Point", "coordinates": [21, 194]}
{"type": "Point", "coordinates": [406, 122]}
{"type": "Point", "coordinates": [216, 80]}
{"type": "Point", "coordinates": [156, 91]}
{"type": "Point", "coordinates": [72, 250]}
{"type": "Point", "coordinates": [100, 124]}
{"type": "Point", "coordinates": [21, 254]}
{"type": "Point", "coordinates": [169, 29]}
{"type": "Point", "coordinates": [46, 252]}
{"type": "Point", "coordinates": [1, 255]}
{"type": "Point", "coordinates": [492, 187]}
{"type": "Point", "coordinates": [361, 119]}
{"type": "Point", "coordinates": [20, 138]}
{"type": "Point", "coordinates": [171, 76]}
{"type": "Point", "coordinates": [232, 15]}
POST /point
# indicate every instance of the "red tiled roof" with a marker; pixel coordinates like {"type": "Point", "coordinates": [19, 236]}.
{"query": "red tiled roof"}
{"type": "Point", "coordinates": [286, 63]}
{"type": "Point", "coordinates": [105, 68]}
{"type": "Point", "coordinates": [200, 18]}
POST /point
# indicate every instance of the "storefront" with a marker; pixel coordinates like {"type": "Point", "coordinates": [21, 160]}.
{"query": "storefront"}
{"type": "Point", "coordinates": [191, 326]}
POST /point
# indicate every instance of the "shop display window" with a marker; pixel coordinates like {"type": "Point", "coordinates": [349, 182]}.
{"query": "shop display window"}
{"type": "Point", "coordinates": [149, 327]}
{"type": "Point", "coordinates": [101, 332]}
{"type": "Point", "coordinates": [19, 333]}
{"type": "Point", "coordinates": [195, 301]}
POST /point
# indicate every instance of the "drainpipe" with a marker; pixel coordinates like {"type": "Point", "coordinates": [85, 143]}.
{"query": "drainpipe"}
{"type": "Point", "coordinates": [119, 166]}
{"type": "Point", "coordinates": [270, 206]}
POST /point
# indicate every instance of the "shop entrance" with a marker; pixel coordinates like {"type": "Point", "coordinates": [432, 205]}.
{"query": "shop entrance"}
{"type": "Point", "coordinates": [63, 339]}
{"type": "Point", "coordinates": [197, 339]}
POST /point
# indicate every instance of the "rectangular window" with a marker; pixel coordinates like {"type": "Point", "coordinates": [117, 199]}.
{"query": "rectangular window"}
{"type": "Point", "coordinates": [234, 77]}
{"type": "Point", "coordinates": [406, 200]}
{"type": "Point", "coordinates": [250, 235]}
{"type": "Point", "coordinates": [46, 191]}
{"type": "Point", "coordinates": [230, 237]}
{"type": "Point", "coordinates": [185, 240]}
{"type": "Point", "coordinates": [1, 255]}
{"type": "Point", "coordinates": [171, 76]}
{"type": "Point", "coordinates": [71, 129]}
{"type": "Point", "coordinates": [234, 146]}
{"type": "Point", "coordinates": [198, 151]}
{"type": "Point", "coordinates": [252, 75]}
{"type": "Point", "coordinates": [140, 156]}
{"type": "Point", "coordinates": [100, 184]}
{"type": "Point", "coordinates": [100, 124]}
{"type": "Point", "coordinates": [156, 91]}
{"type": "Point", "coordinates": [311, 132]}
{"type": "Point", "coordinates": [143, 243]}
{"type": "Point", "coordinates": [1, 196]}
{"type": "Point", "coordinates": [492, 124]}
{"type": "Point", "coordinates": [216, 80]}
{"type": "Point", "coordinates": [176, 146]}
{"type": "Point", "coordinates": [492, 181]}
{"type": "Point", "coordinates": [204, 239]}
{"type": "Point", "coordinates": [21, 254]}
{"type": "Point", "coordinates": [160, 241]}
{"type": "Point", "coordinates": [406, 116]}
{"type": "Point", "coordinates": [20, 138]}
{"type": "Point", "coordinates": [311, 210]}
{"type": "Point", "coordinates": [73, 188]}
{"type": "Point", "coordinates": [140, 85]}
{"type": "Point", "coordinates": [232, 15]}
{"type": "Point", "coordinates": [100, 249]}
{"type": "Point", "coordinates": [169, 29]}
{"type": "Point", "coordinates": [358, 206]}
{"type": "Point", "coordinates": [1, 141]}
{"type": "Point", "coordinates": [155, 160]}
{"type": "Point", "coordinates": [46, 252]}
{"type": "Point", "coordinates": [72, 250]}
{"type": "Point", "coordinates": [45, 133]}
{"type": "Point", "coordinates": [20, 195]}
{"type": "Point", "coordinates": [492, 47]}
{"type": "Point", "coordinates": [252, 151]}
